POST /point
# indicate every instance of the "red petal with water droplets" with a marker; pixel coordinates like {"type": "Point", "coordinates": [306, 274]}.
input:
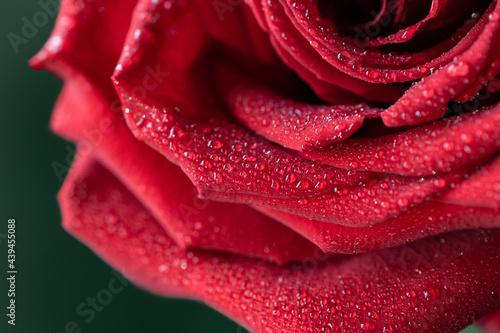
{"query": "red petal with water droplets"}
{"type": "Point", "coordinates": [166, 191]}
{"type": "Point", "coordinates": [215, 154]}
{"type": "Point", "coordinates": [429, 99]}
{"type": "Point", "coordinates": [440, 147]}
{"type": "Point", "coordinates": [292, 124]}
{"type": "Point", "coordinates": [68, 48]}
{"type": "Point", "coordinates": [227, 158]}
{"type": "Point", "coordinates": [427, 219]}
{"type": "Point", "coordinates": [361, 206]}
{"type": "Point", "coordinates": [98, 127]}
{"type": "Point", "coordinates": [482, 189]}
{"type": "Point", "coordinates": [443, 284]}
{"type": "Point", "coordinates": [441, 12]}
{"type": "Point", "coordinates": [299, 29]}
{"type": "Point", "coordinates": [189, 219]}
{"type": "Point", "coordinates": [180, 108]}
{"type": "Point", "coordinates": [297, 47]}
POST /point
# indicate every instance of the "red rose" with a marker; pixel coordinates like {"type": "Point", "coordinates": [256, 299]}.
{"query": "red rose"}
{"type": "Point", "coordinates": [288, 136]}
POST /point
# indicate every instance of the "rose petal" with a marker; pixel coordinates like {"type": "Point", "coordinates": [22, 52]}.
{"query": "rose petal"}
{"type": "Point", "coordinates": [361, 206]}
{"type": "Point", "coordinates": [97, 124]}
{"type": "Point", "coordinates": [187, 126]}
{"type": "Point", "coordinates": [427, 219]}
{"type": "Point", "coordinates": [491, 323]}
{"type": "Point", "coordinates": [315, 42]}
{"type": "Point", "coordinates": [429, 99]}
{"type": "Point", "coordinates": [442, 15]}
{"type": "Point", "coordinates": [88, 37]}
{"type": "Point", "coordinates": [165, 190]}
{"type": "Point", "coordinates": [482, 189]}
{"type": "Point", "coordinates": [292, 124]}
{"type": "Point", "coordinates": [329, 89]}
{"type": "Point", "coordinates": [224, 157]}
{"type": "Point", "coordinates": [440, 147]}
{"type": "Point", "coordinates": [234, 26]}
{"type": "Point", "coordinates": [441, 284]}
{"type": "Point", "coordinates": [284, 35]}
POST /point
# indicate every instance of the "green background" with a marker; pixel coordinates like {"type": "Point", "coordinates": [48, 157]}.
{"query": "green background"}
{"type": "Point", "coordinates": [56, 272]}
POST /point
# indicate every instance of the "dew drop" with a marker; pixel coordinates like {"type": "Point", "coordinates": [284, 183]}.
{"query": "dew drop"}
{"type": "Point", "coordinates": [428, 93]}
{"type": "Point", "coordinates": [405, 101]}
{"type": "Point", "coordinates": [291, 178]}
{"type": "Point", "coordinates": [460, 69]}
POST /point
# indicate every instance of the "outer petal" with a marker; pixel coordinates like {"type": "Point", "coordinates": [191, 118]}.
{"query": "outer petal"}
{"type": "Point", "coordinates": [440, 284]}
{"type": "Point", "coordinates": [88, 38]}
{"type": "Point", "coordinates": [97, 123]}
{"type": "Point", "coordinates": [165, 190]}
{"type": "Point", "coordinates": [482, 189]}
{"type": "Point", "coordinates": [365, 205]}
{"type": "Point", "coordinates": [491, 323]}
{"type": "Point", "coordinates": [428, 219]}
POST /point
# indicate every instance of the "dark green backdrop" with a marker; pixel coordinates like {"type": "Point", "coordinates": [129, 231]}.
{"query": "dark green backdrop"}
{"type": "Point", "coordinates": [55, 272]}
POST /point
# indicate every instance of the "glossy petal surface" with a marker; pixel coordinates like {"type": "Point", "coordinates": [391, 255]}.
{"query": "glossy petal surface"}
{"type": "Point", "coordinates": [442, 283]}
